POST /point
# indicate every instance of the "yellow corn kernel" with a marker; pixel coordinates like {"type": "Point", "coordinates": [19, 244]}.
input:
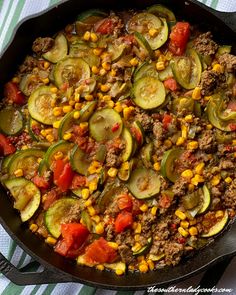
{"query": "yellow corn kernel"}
{"type": "Point", "coordinates": [207, 98]}
{"type": "Point", "coordinates": [50, 138]}
{"type": "Point", "coordinates": [228, 179]}
{"type": "Point", "coordinates": [58, 155]}
{"type": "Point", "coordinates": [127, 111]}
{"type": "Point", "coordinates": [88, 203]}
{"type": "Point", "coordinates": [180, 214]}
{"type": "Point", "coordinates": [196, 179]}
{"type": "Point", "coordinates": [113, 72]}
{"type": "Point", "coordinates": [215, 180]}
{"type": "Point", "coordinates": [196, 95]}
{"type": "Point", "coordinates": [77, 97]}
{"type": "Point", "coordinates": [48, 131]}
{"type": "Point", "coordinates": [187, 173]}
{"type": "Point", "coordinates": [71, 102]}
{"type": "Point", "coordinates": [157, 53]}
{"type": "Point", "coordinates": [93, 185]}
{"type": "Point", "coordinates": [119, 272]}
{"type": "Point", "coordinates": [112, 172]}
{"type": "Point", "coordinates": [100, 267]}
{"type": "Point", "coordinates": [39, 160]}
{"type": "Point", "coordinates": [168, 143]}
{"type": "Point", "coordinates": [154, 210]}
{"type": "Point", "coordinates": [219, 213]}
{"type": "Point", "coordinates": [199, 168]}
{"type": "Point", "coordinates": [94, 37]}
{"type": "Point", "coordinates": [67, 109]}
{"type": "Point", "coordinates": [183, 232]}
{"type": "Point", "coordinates": [134, 62]}
{"type": "Point", "coordinates": [67, 136]}
{"type": "Point", "coordinates": [193, 231]}
{"type": "Point", "coordinates": [144, 208]}
{"type": "Point", "coordinates": [88, 97]}
{"type": "Point", "coordinates": [106, 97]}
{"type": "Point", "coordinates": [169, 55]}
{"type": "Point", "coordinates": [53, 89]}
{"type": "Point", "coordinates": [33, 227]}
{"type": "Point", "coordinates": [188, 118]}
{"type": "Point", "coordinates": [91, 210]}
{"type": "Point", "coordinates": [87, 36]}
{"type": "Point", "coordinates": [85, 193]}
{"type": "Point", "coordinates": [191, 187]}
{"type": "Point", "coordinates": [125, 166]}
{"type": "Point", "coordinates": [96, 218]}
{"type": "Point", "coordinates": [99, 228]}
{"type": "Point", "coordinates": [46, 65]}
{"type": "Point", "coordinates": [153, 32]}
{"type": "Point", "coordinates": [56, 124]}
{"type": "Point", "coordinates": [57, 111]}
{"type": "Point", "coordinates": [77, 105]}
{"type": "Point", "coordinates": [160, 65]}
{"type": "Point", "coordinates": [162, 58]}
{"type": "Point", "coordinates": [45, 80]}
{"type": "Point", "coordinates": [43, 133]}
{"type": "Point", "coordinates": [76, 115]}
{"type": "Point", "coordinates": [118, 108]}
{"type": "Point", "coordinates": [136, 247]}
{"type": "Point", "coordinates": [184, 131]}
{"type": "Point", "coordinates": [157, 166]}
{"type": "Point", "coordinates": [137, 237]}
{"type": "Point", "coordinates": [180, 141]}
{"type": "Point", "coordinates": [50, 240]}
{"type": "Point", "coordinates": [16, 80]}
{"type": "Point", "coordinates": [138, 228]}
{"type": "Point", "coordinates": [24, 147]}
{"type": "Point", "coordinates": [143, 267]}
{"type": "Point", "coordinates": [83, 125]}
{"type": "Point", "coordinates": [209, 126]}
{"type": "Point", "coordinates": [192, 145]}
{"type": "Point", "coordinates": [102, 72]}
{"type": "Point", "coordinates": [184, 224]}
{"type": "Point", "coordinates": [193, 221]}
{"type": "Point", "coordinates": [95, 70]}
{"type": "Point", "coordinates": [141, 259]}
{"type": "Point", "coordinates": [105, 87]}
{"type": "Point", "coordinates": [106, 66]}
{"type": "Point", "coordinates": [97, 51]}
{"type": "Point", "coordinates": [113, 245]}
{"type": "Point", "coordinates": [218, 68]}
{"type": "Point", "coordinates": [150, 264]}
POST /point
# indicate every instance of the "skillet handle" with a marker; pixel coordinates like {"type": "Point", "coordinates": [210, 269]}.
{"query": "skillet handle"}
{"type": "Point", "coordinates": [21, 277]}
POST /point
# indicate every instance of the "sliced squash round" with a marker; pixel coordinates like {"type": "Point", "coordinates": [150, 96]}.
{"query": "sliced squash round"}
{"type": "Point", "coordinates": [58, 51]}
{"type": "Point", "coordinates": [218, 227]}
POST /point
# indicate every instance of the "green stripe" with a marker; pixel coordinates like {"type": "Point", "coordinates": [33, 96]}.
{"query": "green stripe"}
{"type": "Point", "coordinates": [49, 289]}
{"type": "Point", "coordinates": [14, 21]}
{"type": "Point", "coordinates": [34, 291]}
{"type": "Point", "coordinates": [7, 13]}
{"type": "Point", "coordinates": [53, 2]}
{"type": "Point", "coordinates": [86, 290]}
{"type": "Point", "coordinates": [214, 3]}
{"type": "Point", "coordinates": [12, 249]}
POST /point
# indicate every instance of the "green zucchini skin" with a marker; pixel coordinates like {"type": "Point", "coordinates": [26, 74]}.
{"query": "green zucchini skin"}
{"type": "Point", "coordinates": [59, 50]}
{"type": "Point", "coordinates": [12, 121]}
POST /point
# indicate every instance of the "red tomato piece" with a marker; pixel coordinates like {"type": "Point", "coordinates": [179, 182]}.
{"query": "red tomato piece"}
{"type": "Point", "coordinates": [105, 26]}
{"type": "Point", "coordinates": [63, 175]}
{"type": "Point", "coordinates": [171, 84]}
{"type": "Point", "coordinates": [165, 201]}
{"type": "Point", "coordinates": [50, 198]}
{"type": "Point", "coordinates": [78, 181]}
{"type": "Point", "coordinates": [123, 221]}
{"type": "Point", "coordinates": [6, 147]}
{"type": "Point", "coordinates": [115, 127]}
{"type": "Point", "coordinates": [100, 252]}
{"type": "Point", "coordinates": [232, 106]}
{"type": "Point", "coordinates": [232, 126]}
{"type": "Point", "coordinates": [61, 247]}
{"type": "Point", "coordinates": [41, 182]}
{"type": "Point", "coordinates": [179, 37]}
{"type": "Point", "coordinates": [166, 120]}
{"type": "Point", "coordinates": [74, 234]}
{"type": "Point", "coordinates": [124, 202]}
{"type": "Point", "coordinates": [12, 93]}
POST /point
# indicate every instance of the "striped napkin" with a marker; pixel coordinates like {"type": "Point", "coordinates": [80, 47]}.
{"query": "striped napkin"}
{"type": "Point", "coordinates": [223, 276]}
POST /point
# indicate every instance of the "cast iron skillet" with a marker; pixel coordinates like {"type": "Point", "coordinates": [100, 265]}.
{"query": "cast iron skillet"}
{"type": "Point", "coordinates": [58, 269]}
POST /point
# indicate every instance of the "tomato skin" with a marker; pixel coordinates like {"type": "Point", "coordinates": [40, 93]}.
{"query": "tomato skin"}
{"type": "Point", "coordinates": [6, 147]}
{"type": "Point", "coordinates": [179, 37]}
{"type": "Point", "coordinates": [232, 106]}
{"type": "Point", "coordinates": [100, 252]}
{"type": "Point", "coordinates": [166, 120]}
{"type": "Point", "coordinates": [41, 182]}
{"type": "Point", "coordinates": [165, 201]}
{"type": "Point", "coordinates": [63, 175]}
{"type": "Point", "coordinates": [232, 126]}
{"type": "Point", "coordinates": [115, 127]}
{"type": "Point", "coordinates": [51, 197]}
{"type": "Point", "coordinates": [78, 181]}
{"type": "Point", "coordinates": [123, 221]}
{"type": "Point", "coordinates": [105, 26]}
{"type": "Point", "coordinates": [125, 202]}
{"type": "Point", "coordinates": [12, 93]}
{"type": "Point", "coordinates": [171, 84]}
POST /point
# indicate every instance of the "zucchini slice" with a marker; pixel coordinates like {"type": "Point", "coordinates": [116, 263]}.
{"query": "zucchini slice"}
{"type": "Point", "coordinates": [26, 196]}
{"type": "Point", "coordinates": [71, 70]}
{"type": "Point", "coordinates": [162, 11]}
{"type": "Point", "coordinates": [82, 50]}
{"type": "Point", "coordinates": [166, 73]}
{"type": "Point", "coordinates": [144, 249]}
{"type": "Point", "coordinates": [128, 150]}
{"type": "Point", "coordinates": [142, 41]}
{"type": "Point", "coordinates": [105, 124]}
{"type": "Point", "coordinates": [110, 191]}
{"type": "Point", "coordinates": [144, 183]}
{"type": "Point", "coordinates": [39, 105]}
{"type": "Point", "coordinates": [218, 227]}
{"type": "Point", "coordinates": [12, 121]}
{"type": "Point", "coordinates": [30, 125]}
{"type": "Point", "coordinates": [148, 93]}
{"type": "Point", "coordinates": [79, 161]}
{"type": "Point", "coordinates": [146, 154]}
{"type": "Point", "coordinates": [205, 200]}
{"type": "Point", "coordinates": [56, 213]}
{"type": "Point", "coordinates": [138, 132]}
{"type": "Point", "coordinates": [58, 51]}
{"type": "Point", "coordinates": [87, 111]}
{"type": "Point", "coordinates": [187, 69]}
{"type": "Point", "coordinates": [168, 164]}
{"type": "Point", "coordinates": [145, 70]}
{"type": "Point", "coordinates": [28, 84]}
{"type": "Point", "coordinates": [116, 51]}
{"type": "Point", "coordinates": [26, 160]}
{"type": "Point", "coordinates": [91, 15]}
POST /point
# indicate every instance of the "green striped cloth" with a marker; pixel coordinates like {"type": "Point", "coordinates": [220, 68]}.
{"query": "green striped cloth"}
{"type": "Point", "coordinates": [11, 12]}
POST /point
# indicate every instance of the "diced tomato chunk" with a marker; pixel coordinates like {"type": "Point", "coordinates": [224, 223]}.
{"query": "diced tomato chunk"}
{"type": "Point", "coordinates": [232, 106]}
{"type": "Point", "coordinates": [41, 182]}
{"type": "Point", "coordinates": [179, 37]}
{"type": "Point", "coordinates": [171, 84]}
{"type": "Point", "coordinates": [115, 127]}
{"type": "Point", "coordinates": [166, 120]}
{"type": "Point", "coordinates": [105, 26]}
{"type": "Point", "coordinates": [12, 93]}
{"type": "Point", "coordinates": [232, 126]}
{"type": "Point", "coordinates": [123, 221]}
{"type": "Point", "coordinates": [100, 252]}
{"type": "Point", "coordinates": [63, 175]}
{"type": "Point", "coordinates": [124, 202]}
{"type": "Point", "coordinates": [5, 145]}
{"type": "Point", "coordinates": [50, 198]}
{"type": "Point", "coordinates": [78, 181]}
{"type": "Point", "coordinates": [165, 201]}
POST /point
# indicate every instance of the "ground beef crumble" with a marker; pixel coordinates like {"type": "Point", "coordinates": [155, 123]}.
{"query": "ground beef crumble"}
{"type": "Point", "coordinates": [205, 45]}
{"type": "Point", "coordinates": [42, 45]}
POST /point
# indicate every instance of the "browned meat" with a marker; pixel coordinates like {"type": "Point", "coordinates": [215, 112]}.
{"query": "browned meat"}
{"type": "Point", "coordinates": [228, 61]}
{"type": "Point", "coordinates": [229, 197]}
{"type": "Point", "coordinates": [226, 164]}
{"type": "Point", "coordinates": [125, 237]}
{"type": "Point", "coordinates": [28, 65]}
{"type": "Point", "coordinates": [109, 232]}
{"type": "Point", "coordinates": [206, 141]}
{"type": "Point", "coordinates": [173, 252]}
{"type": "Point", "coordinates": [145, 120]}
{"type": "Point", "coordinates": [126, 254]}
{"type": "Point", "coordinates": [179, 187]}
{"type": "Point", "coordinates": [42, 45]}
{"type": "Point", "coordinates": [205, 45]}
{"type": "Point", "coordinates": [210, 80]}
{"type": "Point", "coordinates": [74, 214]}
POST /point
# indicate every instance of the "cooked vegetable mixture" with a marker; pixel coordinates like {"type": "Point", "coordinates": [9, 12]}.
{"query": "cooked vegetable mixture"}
{"type": "Point", "coordinates": [118, 139]}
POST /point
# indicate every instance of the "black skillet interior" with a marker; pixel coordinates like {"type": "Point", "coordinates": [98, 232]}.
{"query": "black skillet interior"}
{"type": "Point", "coordinates": [61, 269]}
